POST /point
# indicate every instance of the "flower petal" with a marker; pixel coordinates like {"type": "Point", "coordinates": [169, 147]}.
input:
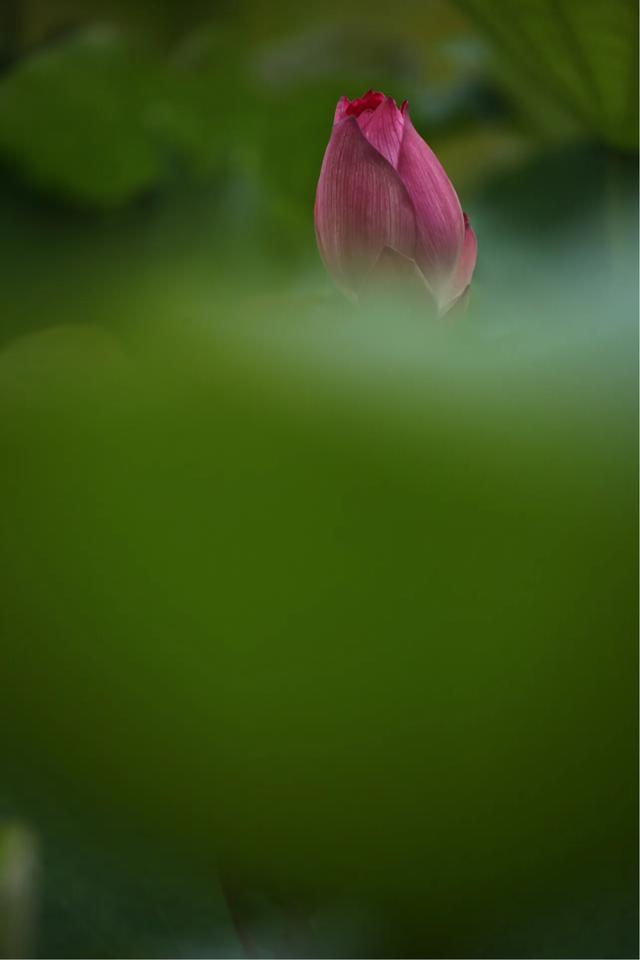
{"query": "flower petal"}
{"type": "Point", "coordinates": [341, 109]}
{"type": "Point", "coordinates": [383, 129]}
{"type": "Point", "coordinates": [456, 308]}
{"type": "Point", "coordinates": [361, 207]}
{"type": "Point", "coordinates": [396, 275]}
{"type": "Point", "coordinates": [466, 262]}
{"type": "Point", "coordinates": [439, 221]}
{"type": "Point", "coordinates": [370, 101]}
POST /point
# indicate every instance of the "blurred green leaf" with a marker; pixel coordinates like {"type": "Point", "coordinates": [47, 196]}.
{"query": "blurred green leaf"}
{"type": "Point", "coordinates": [76, 118]}
{"type": "Point", "coordinates": [581, 55]}
{"type": "Point", "coordinates": [97, 120]}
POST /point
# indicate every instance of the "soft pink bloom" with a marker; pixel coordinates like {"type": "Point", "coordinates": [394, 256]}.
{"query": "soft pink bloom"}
{"type": "Point", "coordinates": [385, 206]}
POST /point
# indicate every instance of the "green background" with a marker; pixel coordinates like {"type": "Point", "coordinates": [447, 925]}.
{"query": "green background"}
{"type": "Point", "coordinates": [319, 624]}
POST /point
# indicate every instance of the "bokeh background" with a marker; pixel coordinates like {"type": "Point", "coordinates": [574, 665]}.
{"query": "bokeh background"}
{"type": "Point", "coordinates": [319, 624]}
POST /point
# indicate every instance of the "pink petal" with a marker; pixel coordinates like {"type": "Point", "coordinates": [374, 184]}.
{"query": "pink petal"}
{"type": "Point", "coordinates": [341, 108]}
{"type": "Point", "coordinates": [439, 221]}
{"type": "Point", "coordinates": [397, 275]}
{"type": "Point", "coordinates": [383, 128]}
{"type": "Point", "coordinates": [456, 308]}
{"type": "Point", "coordinates": [370, 101]}
{"type": "Point", "coordinates": [466, 262]}
{"type": "Point", "coordinates": [361, 207]}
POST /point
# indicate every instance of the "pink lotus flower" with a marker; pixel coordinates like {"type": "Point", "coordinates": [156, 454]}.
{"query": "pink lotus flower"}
{"type": "Point", "coordinates": [385, 207]}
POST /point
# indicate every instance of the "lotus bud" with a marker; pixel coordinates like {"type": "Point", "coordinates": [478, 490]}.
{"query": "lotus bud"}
{"type": "Point", "coordinates": [386, 208]}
